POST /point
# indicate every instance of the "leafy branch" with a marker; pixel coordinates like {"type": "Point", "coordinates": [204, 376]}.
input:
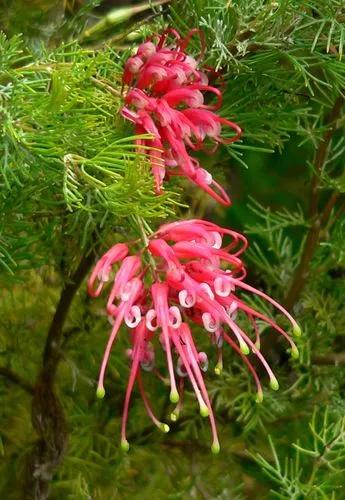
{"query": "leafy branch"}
{"type": "Point", "coordinates": [302, 271]}
{"type": "Point", "coordinates": [47, 412]}
{"type": "Point", "coordinates": [14, 378]}
{"type": "Point", "coordinates": [298, 477]}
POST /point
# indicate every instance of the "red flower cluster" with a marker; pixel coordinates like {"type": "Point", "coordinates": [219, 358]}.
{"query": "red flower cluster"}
{"type": "Point", "coordinates": [166, 98]}
{"type": "Point", "coordinates": [190, 273]}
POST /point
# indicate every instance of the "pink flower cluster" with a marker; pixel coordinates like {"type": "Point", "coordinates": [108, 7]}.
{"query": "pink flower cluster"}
{"type": "Point", "coordinates": [166, 98]}
{"type": "Point", "coordinates": [190, 273]}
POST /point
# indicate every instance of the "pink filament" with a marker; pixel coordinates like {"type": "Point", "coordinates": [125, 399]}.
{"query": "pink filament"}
{"type": "Point", "coordinates": [131, 380]}
{"type": "Point", "coordinates": [146, 402]}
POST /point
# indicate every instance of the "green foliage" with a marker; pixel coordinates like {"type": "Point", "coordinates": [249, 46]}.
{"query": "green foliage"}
{"type": "Point", "coordinates": [63, 140]}
{"type": "Point", "coordinates": [324, 458]}
{"type": "Point", "coordinates": [281, 63]}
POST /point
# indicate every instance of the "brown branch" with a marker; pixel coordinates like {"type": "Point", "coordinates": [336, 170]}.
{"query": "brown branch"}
{"type": "Point", "coordinates": [106, 86]}
{"type": "Point", "coordinates": [302, 270]}
{"type": "Point", "coordinates": [14, 378]}
{"type": "Point", "coordinates": [329, 207]}
{"type": "Point", "coordinates": [338, 213]}
{"type": "Point", "coordinates": [47, 412]}
{"type": "Point", "coordinates": [332, 358]}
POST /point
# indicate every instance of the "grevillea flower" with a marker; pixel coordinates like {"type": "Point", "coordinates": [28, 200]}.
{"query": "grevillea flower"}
{"type": "Point", "coordinates": [166, 98]}
{"type": "Point", "coordinates": [190, 275]}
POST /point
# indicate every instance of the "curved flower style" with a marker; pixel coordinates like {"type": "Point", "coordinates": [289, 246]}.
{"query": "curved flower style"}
{"type": "Point", "coordinates": [194, 276]}
{"type": "Point", "coordinates": [166, 99]}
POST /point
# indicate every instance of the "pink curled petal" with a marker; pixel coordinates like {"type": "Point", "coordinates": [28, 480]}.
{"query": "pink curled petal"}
{"type": "Point", "coordinates": [210, 323]}
{"type": "Point", "coordinates": [217, 239]}
{"type": "Point", "coordinates": [103, 267]}
{"type": "Point", "coordinates": [151, 315]}
{"type": "Point", "coordinates": [190, 96]}
{"type": "Point", "coordinates": [207, 177]}
{"type": "Point", "coordinates": [222, 287]}
{"type": "Point", "coordinates": [147, 358]}
{"type": "Point", "coordinates": [180, 368]}
{"type": "Point", "coordinates": [126, 292]}
{"type": "Point", "coordinates": [208, 88]}
{"type": "Point", "coordinates": [133, 65]}
{"type": "Point", "coordinates": [129, 115]}
{"type": "Point", "coordinates": [133, 317]}
{"type": "Point", "coordinates": [186, 298]}
{"type": "Point", "coordinates": [175, 318]}
{"type": "Point", "coordinates": [202, 78]}
{"type": "Point", "coordinates": [205, 287]}
{"type": "Point", "coordinates": [151, 74]}
{"type": "Point", "coordinates": [146, 50]}
{"type": "Point", "coordinates": [129, 353]}
{"type": "Point", "coordinates": [191, 250]}
{"type": "Point", "coordinates": [128, 270]}
{"type": "Point", "coordinates": [191, 62]}
{"type": "Point", "coordinates": [168, 230]}
{"type": "Point", "coordinates": [207, 122]}
{"type": "Point", "coordinates": [204, 182]}
{"type": "Point", "coordinates": [111, 319]}
{"type": "Point", "coordinates": [203, 361]}
{"type": "Point", "coordinates": [148, 124]}
{"type": "Point", "coordinates": [231, 310]}
{"type": "Point", "coordinates": [138, 98]}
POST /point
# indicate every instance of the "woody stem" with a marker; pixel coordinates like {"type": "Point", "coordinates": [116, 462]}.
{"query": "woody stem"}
{"type": "Point", "coordinates": [48, 417]}
{"type": "Point", "coordinates": [301, 274]}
